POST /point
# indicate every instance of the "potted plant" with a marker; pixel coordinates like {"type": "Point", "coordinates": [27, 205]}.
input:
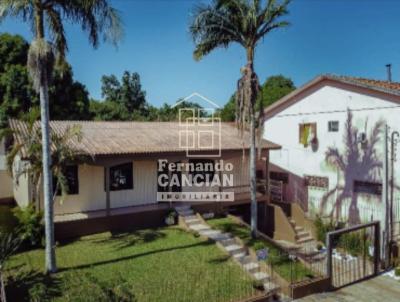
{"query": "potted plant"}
{"type": "Point", "coordinates": [170, 218]}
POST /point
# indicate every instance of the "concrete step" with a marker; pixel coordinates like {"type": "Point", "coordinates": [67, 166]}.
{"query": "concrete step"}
{"type": "Point", "coordinates": [199, 227]}
{"type": "Point", "coordinates": [245, 260]}
{"type": "Point", "coordinates": [183, 208]}
{"type": "Point", "coordinates": [305, 240]}
{"type": "Point", "coordinates": [229, 241]}
{"type": "Point", "coordinates": [222, 237]}
{"type": "Point", "coordinates": [240, 256]}
{"type": "Point", "coordinates": [292, 221]}
{"type": "Point", "coordinates": [190, 217]}
{"type": "Point", "coordinates": [192, 221]}
{"type": "Point", "coordinates": [186, 213]}
{"type": "Point", "coordinates": [251, 267]}
{"type": "Point", "coordinates": [234, 249]}
{"type": "Point", "coordinates": [270, 287]}
{"type": "Point", "coordinates": [210, 233]}
{"type": "Point", "coordinates": [261, 276]}
{"type": "Point", "coordinates": [302, 234]}
{"type": "Point", "coordinates": [298, 228]}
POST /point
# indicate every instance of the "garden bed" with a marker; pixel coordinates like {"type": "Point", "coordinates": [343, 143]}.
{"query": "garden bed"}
{"type": "Point", "coordinates": [165, 264]}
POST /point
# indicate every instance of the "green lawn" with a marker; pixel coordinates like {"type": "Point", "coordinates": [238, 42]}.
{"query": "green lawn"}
{"type": "Point", "coordinates": [286, 268]}
{"type": "Point", "coordinates": [165, 264]}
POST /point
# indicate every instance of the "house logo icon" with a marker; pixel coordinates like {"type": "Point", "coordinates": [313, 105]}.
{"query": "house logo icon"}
{"type": "Point", "coordinates": [200, 129]}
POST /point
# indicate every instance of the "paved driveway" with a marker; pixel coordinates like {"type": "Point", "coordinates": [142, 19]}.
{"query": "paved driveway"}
{"type": "Point", "coordinates": [379, 289]}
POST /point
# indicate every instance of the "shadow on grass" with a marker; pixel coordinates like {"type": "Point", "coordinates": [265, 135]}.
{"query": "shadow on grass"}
{"type": "Point", "coordinates": [32, 286]}
{"type": "Point", "coordinates": [130, 238]}
{"type": "Point", "coordinates": [219, 260]}
{"type": "Point", "coordinates": [110, 261]}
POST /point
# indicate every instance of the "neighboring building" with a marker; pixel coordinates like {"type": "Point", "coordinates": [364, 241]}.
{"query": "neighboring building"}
{"type": "Point", "coordinates": [312, 122]}
{"type": "Point", "coordinates": [129, 152]}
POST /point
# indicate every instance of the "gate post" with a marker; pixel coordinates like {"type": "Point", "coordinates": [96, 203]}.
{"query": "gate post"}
{"type": "Point", "coordinates": [377, 248]}
{"type": "Point", "coordinates": [328, 240]}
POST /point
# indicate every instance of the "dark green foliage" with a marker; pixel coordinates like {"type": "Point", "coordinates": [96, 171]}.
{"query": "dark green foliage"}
{"type": "Point", "coordinates": [9, 243]}
{"type": "Point", "coordinates": [127, 93]}
{"type": "Point", "coordinates": [227, 113]}
{"type": "Point", "coordinates": [275, 88]}
{"type": "Point", "coordinates": [68, 98]}
{"type": "Point", "coordinates": [7, 219]}
{"type": "Point", "coordinates": [322, 228]}
{"type": "Point", "coordinates": [354, 243]}
{"type": "Point", "coordinates": [397, 271]}
{"type": "Point", "coordinates": [30, 225]}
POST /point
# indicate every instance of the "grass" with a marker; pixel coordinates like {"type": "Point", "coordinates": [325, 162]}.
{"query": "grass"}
{"type": "Point", "coordinates": [288, 269]}
{"type": "Point", "coordinates": [165, 264]}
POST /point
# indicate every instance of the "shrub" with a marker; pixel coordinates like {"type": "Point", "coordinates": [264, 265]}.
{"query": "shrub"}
{"type": "Point", "coordinates": [354, 243]}
{"type": "Point", "coordinates": [322, 228]}
{"type": "Point", "coordinates": [30, 225]}
{"type": "Point", "coordinates": [397, 271]}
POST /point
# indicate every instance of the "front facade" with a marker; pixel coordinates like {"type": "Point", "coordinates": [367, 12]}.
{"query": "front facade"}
{"type": "Point", "coordinates": [332, 135]}
{"type": "Point", "coordinates": [127, 157]}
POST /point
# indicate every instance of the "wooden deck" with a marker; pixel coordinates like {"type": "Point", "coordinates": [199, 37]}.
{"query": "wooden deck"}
{"type": "Point", "coordinates": [381, 288]}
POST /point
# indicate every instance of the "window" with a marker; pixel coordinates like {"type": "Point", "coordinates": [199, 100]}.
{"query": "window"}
{"type": "Point", "coordinates": [279, 176]}
{"type": "Point", "coordinates": [333, 126]}
{"type": "Point", "coordinates": [71, 176]}
{"type": "Point", "coordinates": [316, 181]}
{"type": "Point", "coordinates": [367, 187]}
{"type": "Point", "coordinates": [307, 133]}
{"type": "Point", "coordinates": [121, 177]}
{"type": "Point", "coordinates": [202, 167]}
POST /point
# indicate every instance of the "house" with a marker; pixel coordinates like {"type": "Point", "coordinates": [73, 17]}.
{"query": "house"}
{"type": "Point", "coordinates": [137, 159]}
{"type": "Point", "coordinates": [332, 135]}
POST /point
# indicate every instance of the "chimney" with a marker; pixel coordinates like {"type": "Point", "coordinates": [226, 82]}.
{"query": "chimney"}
{"type": "Point", "coordinates": [389, 72]}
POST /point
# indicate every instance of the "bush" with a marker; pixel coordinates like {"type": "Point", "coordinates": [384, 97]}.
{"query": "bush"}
{"type": "Point", "coordinates": [354, 243]}
{"type": "Point", "coordinates": [397, 271]}
{"type": "Point", "coordinates": [30, 225]}
{"type": "Point", "coordinates": [322, 228]}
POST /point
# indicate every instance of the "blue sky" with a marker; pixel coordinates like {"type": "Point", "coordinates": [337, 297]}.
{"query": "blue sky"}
{"type": "Point", "coordinates": [346, 37]}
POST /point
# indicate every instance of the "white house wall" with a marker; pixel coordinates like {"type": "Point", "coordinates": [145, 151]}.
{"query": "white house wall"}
{"type": "Point", "coordinates": [328, 103]}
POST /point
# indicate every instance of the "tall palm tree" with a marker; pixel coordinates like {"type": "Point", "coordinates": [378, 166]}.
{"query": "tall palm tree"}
{"type": "Point", "coordinates": [97, 18]}
{"type": "Point", "coordinates": [245, 22]}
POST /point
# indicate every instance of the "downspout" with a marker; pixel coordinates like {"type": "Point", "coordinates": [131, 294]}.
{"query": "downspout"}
{"type": "Point", "coordinates": [385, 231]}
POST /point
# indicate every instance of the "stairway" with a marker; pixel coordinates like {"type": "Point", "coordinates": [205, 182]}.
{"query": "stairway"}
{"type": "Point", "coordinates": [230, 245]}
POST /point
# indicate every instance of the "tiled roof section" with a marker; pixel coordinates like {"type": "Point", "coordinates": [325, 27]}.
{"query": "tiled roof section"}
{"type": "Point", "coordinates": [386, 86]}
{"type": "Point", "coordinates": [111, 138]}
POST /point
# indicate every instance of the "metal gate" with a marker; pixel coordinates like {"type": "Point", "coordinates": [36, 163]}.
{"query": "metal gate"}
{"type": "Point", "coordinates": [353, 254]}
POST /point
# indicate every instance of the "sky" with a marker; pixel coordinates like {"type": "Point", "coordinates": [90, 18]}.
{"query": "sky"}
{"type": "Point", "coordinates": [344, 37]}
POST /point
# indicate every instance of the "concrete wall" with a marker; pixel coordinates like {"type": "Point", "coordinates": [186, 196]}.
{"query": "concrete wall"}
{"type": "Point", "coordinates": [6, 186]}
{"type": "Point", "coordinates": [329, 102]}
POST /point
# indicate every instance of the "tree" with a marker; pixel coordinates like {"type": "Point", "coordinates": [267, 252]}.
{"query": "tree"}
{"type": "Point", "coordinates": [96, 17]}
{"type": "Point", "coordinates": [127, 93]}
{"type": "Point", "coordinates": [245, 22]}
{"type": "Point", "coordinates": [273, 89]}
{"type": "Point", "coordinates": [67, 97]}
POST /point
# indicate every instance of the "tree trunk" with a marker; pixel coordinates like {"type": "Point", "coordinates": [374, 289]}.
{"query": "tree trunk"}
{"type": "Point", "coordinates": [47, 176]}
{"type": "Point", "coordinates": [252, 158]}
{"type": "Point", "coordinates": [46, 152]}
{"type": "Point", "coordinates": [253, 181]}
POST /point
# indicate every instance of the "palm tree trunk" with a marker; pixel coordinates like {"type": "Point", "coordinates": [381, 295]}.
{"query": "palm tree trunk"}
{"type": "Point", "coordinates": [47, 177]}
{"type": "Point", "coordinates": [46, 156]}
{"type": "Point", "coordinates": [253, 181]}
{"type": "Point", "coordinates": [252, 156]}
